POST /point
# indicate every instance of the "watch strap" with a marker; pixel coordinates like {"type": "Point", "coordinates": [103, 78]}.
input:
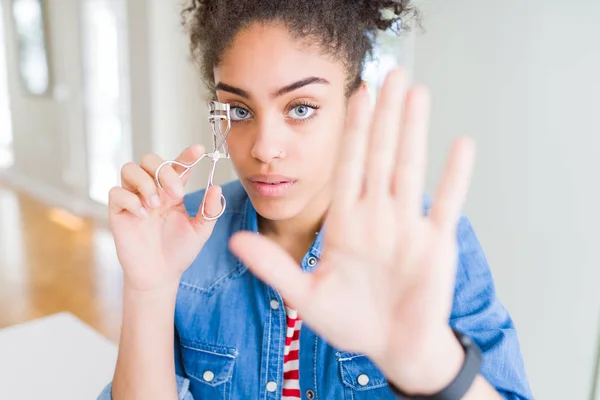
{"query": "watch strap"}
{"type": "Point", "coordinates": [463, 381]}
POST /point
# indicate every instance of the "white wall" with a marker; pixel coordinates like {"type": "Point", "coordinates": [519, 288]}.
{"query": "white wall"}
{"type": "Point", "coordinates": [140, 85]}
{"type": "Point", "coordinates": [522, 79]}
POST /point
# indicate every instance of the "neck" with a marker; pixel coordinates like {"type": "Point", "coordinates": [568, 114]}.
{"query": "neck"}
{"type": "Point", "coordinates": [296, 234]}
{"type": "Point", "coordinates": [291, 229]}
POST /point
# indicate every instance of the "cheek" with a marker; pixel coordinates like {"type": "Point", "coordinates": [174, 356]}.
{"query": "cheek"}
{"type": "Point", "coordinates": [238, 151]}
{"type": "Point", "coordinates": [321, 152]}
{"type": "Point", "coordinates": [333, 134]}
{"type": "Point", "coordinates": [238, 143]}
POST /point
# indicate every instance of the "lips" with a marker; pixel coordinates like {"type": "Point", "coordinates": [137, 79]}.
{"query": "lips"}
{"type": "Point", "coordinates": [271, 185]}
{"type": "Point", "coordinates": [271, 179]}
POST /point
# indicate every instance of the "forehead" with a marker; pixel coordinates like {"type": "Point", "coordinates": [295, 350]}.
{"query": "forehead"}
{"type": "Point", "coordinates": [263, 58]}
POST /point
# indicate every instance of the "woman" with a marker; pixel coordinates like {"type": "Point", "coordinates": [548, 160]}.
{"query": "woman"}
{"type": "Point", "coordinates": [379, 305]}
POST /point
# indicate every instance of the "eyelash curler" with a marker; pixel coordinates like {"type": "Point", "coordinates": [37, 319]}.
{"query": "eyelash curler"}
{"type": "Point", "coordinates": [218, 114]}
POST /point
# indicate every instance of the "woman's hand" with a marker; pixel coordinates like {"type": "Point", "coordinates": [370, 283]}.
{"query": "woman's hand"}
{"type": "Point", "coordinates": [385, 283]}
{"type": "Point", "coordinates": [155, 238]}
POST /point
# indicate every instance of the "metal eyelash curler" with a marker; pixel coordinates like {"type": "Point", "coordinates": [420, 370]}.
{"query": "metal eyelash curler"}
{"type": "Point", "coordinates": [218, 113]}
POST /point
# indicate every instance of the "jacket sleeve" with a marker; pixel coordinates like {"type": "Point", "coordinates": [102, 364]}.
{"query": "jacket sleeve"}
{"type": "Point", "coordinates": [183, 384]}
{"type": "Point", "coordinates": [182, 389]}
{"type": "Point", "coordinates": [478, 313]}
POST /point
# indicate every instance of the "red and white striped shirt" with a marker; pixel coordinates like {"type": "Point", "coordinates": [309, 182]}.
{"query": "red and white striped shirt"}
{"type": "Point", "coordinates": [291, 362]}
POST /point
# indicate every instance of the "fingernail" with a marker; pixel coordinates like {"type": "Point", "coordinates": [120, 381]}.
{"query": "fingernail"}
{"type": "Point", "coordinates": [143, 213]}
{"type": "Point", "coordinates": [155, 201]}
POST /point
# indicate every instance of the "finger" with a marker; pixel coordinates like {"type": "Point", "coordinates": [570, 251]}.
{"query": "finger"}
{"type": "Point", "coordinates": [452, 192]}
{"type": "Point", "coordinates": [410, 171]}
{"type": "Point", "coordinates": [188, 156]}
{"type": "Point", "coordinates": [168, 178]}
{"type": "Point", "coordinates": [270, 263]}
{"type": "Point", "coordinates": [120, 199]}
{"type": "Point", "coordinates": [385, 130]}
{"type": "Point", "coordinates": [351, 162]}
{"type": "Point", "coordinates": [213, 205]}
{"type": "Point", "coordinates": [169, 174]}
{"type": "Point", "coordinates": [136, 180]}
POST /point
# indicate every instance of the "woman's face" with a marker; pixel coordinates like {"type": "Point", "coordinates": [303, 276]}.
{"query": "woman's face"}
{"type": "Point", "coordinates": [288, 110]}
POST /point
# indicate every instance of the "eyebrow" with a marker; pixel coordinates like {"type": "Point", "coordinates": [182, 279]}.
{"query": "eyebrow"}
{"type": "Point", "coordinates": [280, 92]}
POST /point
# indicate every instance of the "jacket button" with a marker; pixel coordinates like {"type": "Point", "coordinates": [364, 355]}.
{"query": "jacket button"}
{"type": "Point", "coordinates": [310, 395]}
{"type": "Point", "coordinates": [312, 261]}
{"type": "Point", "coordinates": [274, 304]}
{"type": "Point", "coordinates": [271, 386]}
{"type": "Point", "coordinates": [363, 380]}
{"type": "Point", "coordinates": [208, 376]}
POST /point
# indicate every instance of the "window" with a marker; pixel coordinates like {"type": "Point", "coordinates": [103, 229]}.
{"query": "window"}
{"type": "Point", "coordinates": [106, 94]}
{"type": "Point", "coordinates": [6, 135]}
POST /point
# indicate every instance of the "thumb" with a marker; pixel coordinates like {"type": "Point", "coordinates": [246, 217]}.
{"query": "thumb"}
{"type": "Point", "coordinates": [270, 263]}
{"type": "Point", "coordinates": [212, 206]}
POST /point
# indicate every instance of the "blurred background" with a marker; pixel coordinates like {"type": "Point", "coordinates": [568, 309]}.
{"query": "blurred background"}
{"type": "Point", "coordinates": [87, 85]}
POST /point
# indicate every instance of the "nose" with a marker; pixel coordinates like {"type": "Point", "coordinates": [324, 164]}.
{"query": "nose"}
{"type": "Point", "coordinates": [269, 143]}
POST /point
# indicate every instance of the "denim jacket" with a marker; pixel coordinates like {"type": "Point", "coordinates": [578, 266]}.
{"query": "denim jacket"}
{"type": "Point", "coordinates": [230, 327]}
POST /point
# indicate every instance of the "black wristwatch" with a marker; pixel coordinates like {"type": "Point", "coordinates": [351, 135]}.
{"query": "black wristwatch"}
{"type": "Point", "coordinates": [463, 381]}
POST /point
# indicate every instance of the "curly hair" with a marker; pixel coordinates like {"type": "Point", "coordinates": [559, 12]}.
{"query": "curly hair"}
{"type": "Point", "coordinates": [342, 29]}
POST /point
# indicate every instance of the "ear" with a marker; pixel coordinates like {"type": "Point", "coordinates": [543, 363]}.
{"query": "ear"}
{"type": "Point", "coordinates": [362, 85]}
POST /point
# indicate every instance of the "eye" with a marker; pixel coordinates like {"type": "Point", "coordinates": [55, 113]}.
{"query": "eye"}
{"type": "Point", "coordinates": [239, 113]}
{"type": "Point", "coordinates": [302, 111]}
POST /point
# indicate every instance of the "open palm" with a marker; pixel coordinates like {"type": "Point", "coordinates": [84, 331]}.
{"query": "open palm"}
{"type": "Point", "coordinates": [386, 278]}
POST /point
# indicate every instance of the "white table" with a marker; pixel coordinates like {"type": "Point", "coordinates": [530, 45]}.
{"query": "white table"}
{"type": "Point", "coordinates": [56, 357]}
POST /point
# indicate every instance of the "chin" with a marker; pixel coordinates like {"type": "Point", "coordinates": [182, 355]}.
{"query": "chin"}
{"type": "Point", "coordinates": [276, 209]}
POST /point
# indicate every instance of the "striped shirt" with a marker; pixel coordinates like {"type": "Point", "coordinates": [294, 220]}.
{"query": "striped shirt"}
{"type": "Point", "coordinates": [291, 363]}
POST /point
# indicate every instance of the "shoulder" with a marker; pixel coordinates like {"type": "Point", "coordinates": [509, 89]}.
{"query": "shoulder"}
{"type": "Point", "coordinates": [469, 247]}
{"type": "Point", "coordinates": [474, 281]}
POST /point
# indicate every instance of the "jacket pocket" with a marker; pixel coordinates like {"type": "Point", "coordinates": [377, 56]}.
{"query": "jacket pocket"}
{"type": "Point", "coordinates": [209, 369]}
{"type": "Point", "coordinates": [362, 379]}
